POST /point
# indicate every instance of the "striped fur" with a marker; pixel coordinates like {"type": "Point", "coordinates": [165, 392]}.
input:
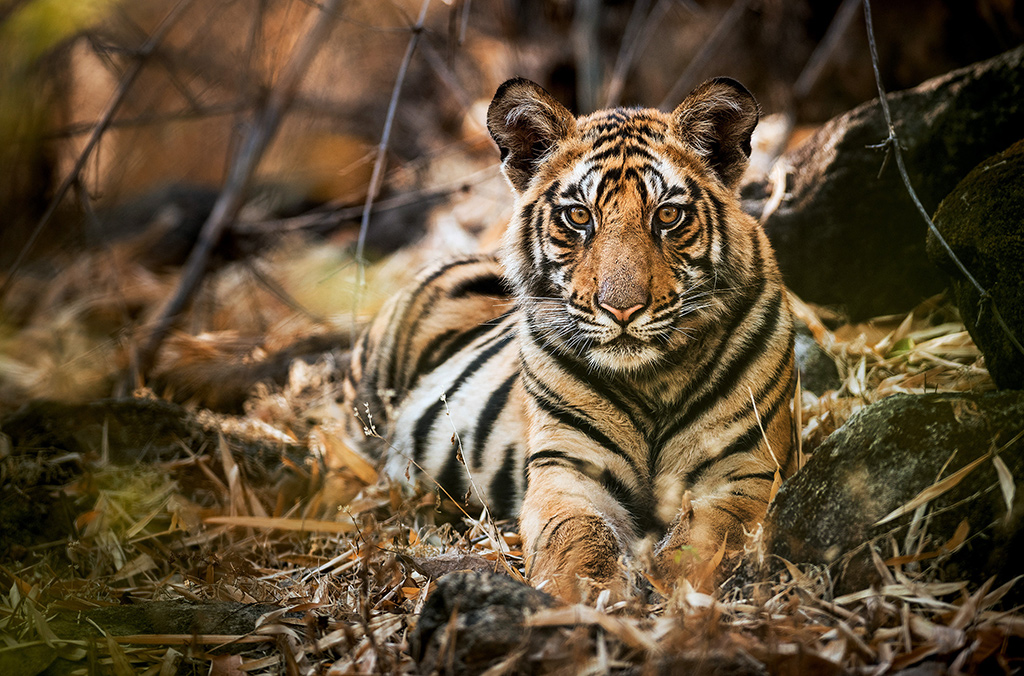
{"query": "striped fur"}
{"type": "Point", "coordinates": [624, 372]}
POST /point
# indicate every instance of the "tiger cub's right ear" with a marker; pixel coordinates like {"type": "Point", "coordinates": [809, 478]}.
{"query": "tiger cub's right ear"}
{"type": "Point", "coordinates": [525, 121]}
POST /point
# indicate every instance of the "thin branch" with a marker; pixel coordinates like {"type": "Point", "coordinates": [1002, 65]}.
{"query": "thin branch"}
{"type": "Point", "coordinates": [586, 48]}
{"type": "Point", "coordinates": [378, 164]}
{"type": "Point", "coordinates": [213, 110]}
{"type": "Point", "coordinates": [333, 215]}
{"type": "Point", "coordinates": [688, 79]}
{"type": "Point", "coordinates": [825, 49]}
{"type": "Point", "coordinates": [97, 133]}
{"type": "Point", "coordinates": [892, 144]}
{"type": "Point", "coordinates": [638, 33]}
{"type": "Point", "coordinates": [225, 210]}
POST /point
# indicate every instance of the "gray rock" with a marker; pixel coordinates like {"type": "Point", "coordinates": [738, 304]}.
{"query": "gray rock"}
{"type": "Point", "coordinates": [983, 222]}
{"type": "Point", "coordinates": [849, 237]}
{"type": "Point", "coordinates": [818, 371]}
{"type": "Point", "coordinates": [486, 613]}
{"type": "Point", "coordinates": [883, 457]}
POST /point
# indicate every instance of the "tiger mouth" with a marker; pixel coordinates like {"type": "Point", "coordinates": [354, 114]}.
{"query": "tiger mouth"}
{"type": "Point", "coordinates": [625, 341]}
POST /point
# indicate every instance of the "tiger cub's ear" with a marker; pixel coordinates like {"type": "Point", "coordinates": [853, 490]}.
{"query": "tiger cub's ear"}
{"type": "Point", "coordinates": [716, 121]}
{"type": "Point", "coordinates": [525, 121]}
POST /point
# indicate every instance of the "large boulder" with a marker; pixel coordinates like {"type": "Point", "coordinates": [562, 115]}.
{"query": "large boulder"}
{"type": "Point", "coordinates": [982, 220]}
{"type": "Point", "coordinates": [849, 235]}
{"type": "Point", "coordinates": [829, 513]}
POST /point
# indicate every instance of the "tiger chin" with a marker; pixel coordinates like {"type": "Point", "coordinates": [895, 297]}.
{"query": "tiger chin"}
{"type": "Point", "coordinates": [622, 374]}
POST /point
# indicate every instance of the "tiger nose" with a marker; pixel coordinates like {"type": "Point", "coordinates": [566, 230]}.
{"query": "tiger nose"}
{"type": "Point", "coordinates": [622, 316]}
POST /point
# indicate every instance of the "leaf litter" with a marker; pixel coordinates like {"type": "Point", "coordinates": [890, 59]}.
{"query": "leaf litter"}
{"type": "Point", "coordinates": [347, 558]}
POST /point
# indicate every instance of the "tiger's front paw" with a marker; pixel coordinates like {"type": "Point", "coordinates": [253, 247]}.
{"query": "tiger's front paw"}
{"type": "Point", "coordinates": [694, 550]}
{"type": "Point", "coordinates": [578, 560]}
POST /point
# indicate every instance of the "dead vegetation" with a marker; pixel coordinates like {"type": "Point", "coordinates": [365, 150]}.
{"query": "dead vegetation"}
{"type": "Point", "coordinates": [342, 560]}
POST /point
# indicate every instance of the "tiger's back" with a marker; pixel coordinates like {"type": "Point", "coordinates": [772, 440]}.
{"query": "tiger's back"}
{"type": "Point", "coordinates": [625, 371]}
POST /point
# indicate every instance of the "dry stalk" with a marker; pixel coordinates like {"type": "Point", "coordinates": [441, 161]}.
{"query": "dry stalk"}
{"type": "Point", "coordinates": [225, 210]}
{"type": "Point", "coordinates": [123, 87]}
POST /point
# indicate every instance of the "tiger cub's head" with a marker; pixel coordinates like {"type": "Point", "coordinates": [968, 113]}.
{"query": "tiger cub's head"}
{"type": "Point", "coordinates": [628, 240]}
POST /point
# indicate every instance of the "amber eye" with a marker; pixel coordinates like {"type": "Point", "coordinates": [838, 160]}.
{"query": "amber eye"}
{"type": "Point", "coordinates": [668, 215]}
{"type": "Point", "coordinates": [578, 215]}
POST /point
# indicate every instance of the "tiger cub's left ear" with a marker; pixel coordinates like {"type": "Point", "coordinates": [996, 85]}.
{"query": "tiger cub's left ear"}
{"type": "Point", "coordinates": [716, 121]}
{"type": "Point", "coordinates": [526, 121]}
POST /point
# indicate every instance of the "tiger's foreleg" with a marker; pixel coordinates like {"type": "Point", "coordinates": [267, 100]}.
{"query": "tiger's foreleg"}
{"type": "Point", "coordinates": [574, 533]}
{"type": "Point", "coordinates": [707, 528]}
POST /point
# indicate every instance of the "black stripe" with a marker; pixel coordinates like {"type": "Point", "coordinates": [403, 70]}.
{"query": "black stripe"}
{"type": "Point", "coordinates": [746, 442]}
{"type": "Point", "coordinates": [503, 490]}
{"type": "Point", "coordinates": [728, 511]}
{"type": "Point", "coordinates": [425, 423]}
{"type": "Point", "coordinates": [575, 369]}
{"type": "Point", "coordinates": [639, 508]}
{"type": "Point", "coordinates": [574, 421]}
{"type": "Point", "coordinates": [488, 415]}
{"type": "Point", "coordinates": [407, 329]}
{"type": "Point", "coordinates": [445, 346]}
{"type": "Point", "coordinates": [732, 367]}
{"type": "Point", "coordinates": [552, 457]}
{"type": "Point", "coordinates": [760, 476]}
{"type": "Point", "coordinates": [483, 285]}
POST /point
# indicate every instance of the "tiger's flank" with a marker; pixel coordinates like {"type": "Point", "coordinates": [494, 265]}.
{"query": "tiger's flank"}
{"type": "Point", "coordinates": [621, 374]}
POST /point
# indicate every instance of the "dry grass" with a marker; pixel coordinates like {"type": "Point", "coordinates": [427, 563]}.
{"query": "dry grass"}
{"type": "Point", "coordinates": [350, 561]}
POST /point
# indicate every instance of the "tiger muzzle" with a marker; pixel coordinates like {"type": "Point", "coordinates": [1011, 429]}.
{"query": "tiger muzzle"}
{"type": "Point", "coordinates": [624, 295]}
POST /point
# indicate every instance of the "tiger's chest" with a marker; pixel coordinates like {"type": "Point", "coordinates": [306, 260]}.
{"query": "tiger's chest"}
{"type": "Point", "coordinates": [471, 425]}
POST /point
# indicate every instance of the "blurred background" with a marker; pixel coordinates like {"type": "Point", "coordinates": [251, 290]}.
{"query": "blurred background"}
{"type": "Point", "coordinates": [120, 123]}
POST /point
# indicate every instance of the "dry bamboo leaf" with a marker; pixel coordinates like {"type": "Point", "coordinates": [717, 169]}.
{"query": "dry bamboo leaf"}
{"type": "Point", "coordinates": [776, 485]}
{"type": "Point", "coordinates": [226, 665]}
{"type": "Point", "coordinates": [140, 564]}
{"type": "Point", "coordinates": [969, 610]}
{"type": "Point", "coordinates": [571, 616]}
{"type": "Point", "coordinates": [120, 662]}
{"type": "Point", "coordinates": [336, 450]}
{"type": "Point", "coordinates": [912, 657]}
{"type": "Point", "coordinates": [42, 628]}
{"type": "Point", "coordinates": [996, 595]}
{"type": "Point", "coordinates": [188, 639]}
{"type": "Point", "coordinates": [169, 662]}
{"type": "Point", "coordinates": [958, 538]}
{"type": "Point", "coordinates": [945, 639]}
{"type": "Point", "coordinates": [933, 491]}
{"type": "Point", "coordinates": [1006, 485]}
{"type": "Point", "coordinates": [906, 592]}
{"type": "Point", "coordinates": [276, 523]}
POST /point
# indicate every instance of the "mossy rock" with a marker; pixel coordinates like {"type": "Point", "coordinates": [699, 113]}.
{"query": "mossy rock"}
{"type": "Point", "coordinates": [849, 235]}
{"type": "Point", "coordinates": [983, 222]}
{"type": "Point", "coordinates": [828, 513]}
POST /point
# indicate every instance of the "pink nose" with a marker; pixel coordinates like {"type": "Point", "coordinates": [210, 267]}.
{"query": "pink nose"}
{"type": "Point", "coordinates": [622, 316]}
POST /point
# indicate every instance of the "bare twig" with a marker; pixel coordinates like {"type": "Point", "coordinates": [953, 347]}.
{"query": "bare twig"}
{"type": "Point", "coordinates": [334, 213]}
{"type": "Point", "coordinates": [634, 40]}
{"type": "Point", "coordinates": [688, 79]}
{"type": "Point", "coordinates": [823, 52]}
{"type": "Point", "coordinates": [892, 144]}
{"type": "Point", "coordinates": [586, 47]}
{"type": "Point", "coordinates": [376, 177]}
{"type": "Point", "coordinates": [123, 87]}
{"type": "Point", "coordinates": [230, 201]}
{"type": "Point", "coordinates": [214, 110]}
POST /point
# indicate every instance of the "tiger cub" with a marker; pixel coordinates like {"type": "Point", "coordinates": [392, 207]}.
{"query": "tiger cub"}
{"type": "Point", "coordinates": [624, 371]}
